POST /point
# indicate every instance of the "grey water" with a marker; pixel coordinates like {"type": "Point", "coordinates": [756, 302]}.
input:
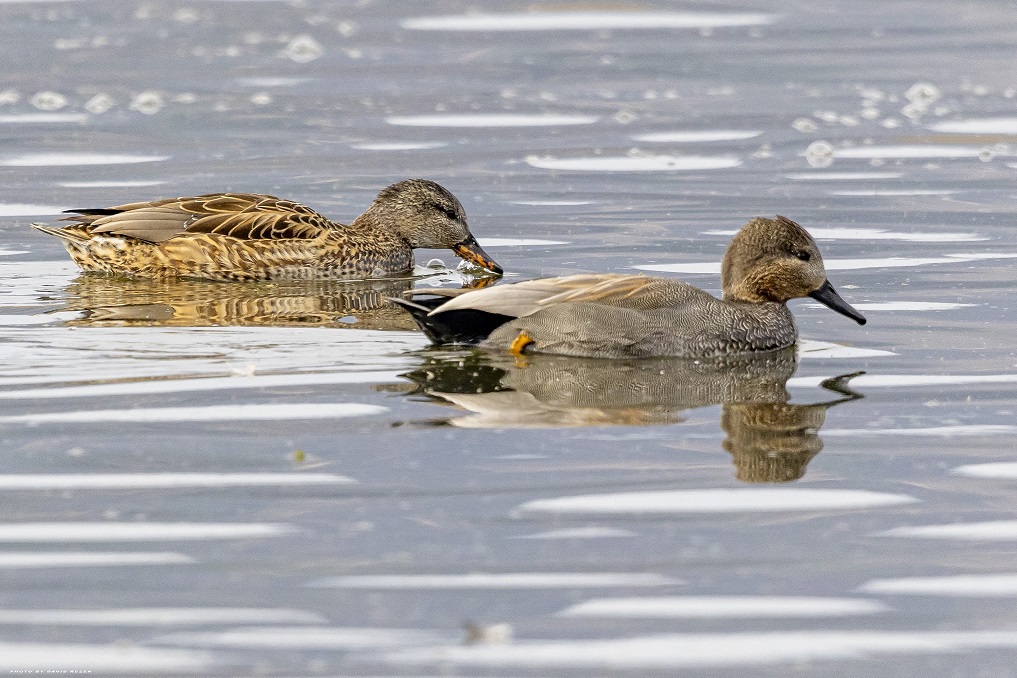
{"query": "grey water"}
{"type": "Point", "coordinates": [283, 479]}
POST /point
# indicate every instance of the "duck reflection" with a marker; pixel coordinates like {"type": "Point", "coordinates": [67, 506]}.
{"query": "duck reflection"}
{"type": "Point", "coordinates": [769, 438]}
{"type": "Point", "coordinates": [119, 301]}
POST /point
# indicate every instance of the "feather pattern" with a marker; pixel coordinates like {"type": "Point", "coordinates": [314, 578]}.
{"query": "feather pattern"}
{"type": "Point", "coordinates": [634, 316]}
{"type": "Point", "coordinates": [249, 236]}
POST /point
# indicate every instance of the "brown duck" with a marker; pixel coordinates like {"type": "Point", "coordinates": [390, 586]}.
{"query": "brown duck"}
{"type": "Point", "coordinates": [769, 262]}
{"type": "Point", "coordinates": [246, 236]}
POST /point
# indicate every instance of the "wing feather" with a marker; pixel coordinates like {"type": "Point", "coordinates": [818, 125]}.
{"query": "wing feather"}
{"type": "Point", "coordinates": [246, 216]}
{"type": "Point", "coordinates": [636, 292]}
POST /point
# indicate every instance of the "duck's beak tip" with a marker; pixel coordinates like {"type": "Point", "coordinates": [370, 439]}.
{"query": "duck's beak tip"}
{"type": "Point", "coordinates": [470, 250]}
{"type": "Point", "coordinates": [828, 296]}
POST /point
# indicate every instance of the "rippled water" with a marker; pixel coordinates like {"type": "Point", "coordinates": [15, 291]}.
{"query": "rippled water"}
{"type": "Point", "coordinates": [283, 479]}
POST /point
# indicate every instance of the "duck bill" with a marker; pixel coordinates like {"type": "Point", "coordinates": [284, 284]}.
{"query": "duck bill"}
{"type": "Point", "coordinates": [828, 296]}
{"type": "Point", "coordinates": [472, 252]}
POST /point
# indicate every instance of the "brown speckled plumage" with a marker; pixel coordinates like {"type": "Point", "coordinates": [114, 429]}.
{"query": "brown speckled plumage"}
{"type": "Point", "coordinates": [633, 316]}
{"type": "Point", "coordinates": [244, 236]}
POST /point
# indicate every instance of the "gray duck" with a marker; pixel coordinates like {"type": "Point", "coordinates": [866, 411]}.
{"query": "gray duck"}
{"type": "Point", "coordinates": [768, 262]}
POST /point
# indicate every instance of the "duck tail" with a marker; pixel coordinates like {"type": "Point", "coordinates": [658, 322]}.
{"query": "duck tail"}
{"type": "Point", "coordinates": [458, 327]}
{"type": "Point", "coordinates": [62, 233]}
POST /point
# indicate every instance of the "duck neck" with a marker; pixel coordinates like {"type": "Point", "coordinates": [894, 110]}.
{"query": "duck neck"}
{"type": "Point", "coordinates": [749, 290]}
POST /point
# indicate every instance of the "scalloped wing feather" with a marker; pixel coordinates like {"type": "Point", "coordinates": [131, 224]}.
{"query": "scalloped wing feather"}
{"type": "Point", "coordinates": [239, 215]}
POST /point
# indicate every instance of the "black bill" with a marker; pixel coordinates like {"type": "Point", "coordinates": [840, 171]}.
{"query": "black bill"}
{"type": "Point", "coordinates": [828, 296]}
{"type": "Point", "coordinates": [471, 251]}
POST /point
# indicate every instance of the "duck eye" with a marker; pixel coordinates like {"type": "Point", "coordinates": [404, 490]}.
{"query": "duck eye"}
{"type": "Point", "coordinates": [803, 255]}
{"type": "Point", "coordinates": [449, 212]}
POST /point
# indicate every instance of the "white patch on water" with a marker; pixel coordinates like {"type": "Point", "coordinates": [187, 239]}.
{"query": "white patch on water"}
{"type": "Point", "coordinates": [935, 431]}
{"type": "Point", "coordinates": [693, 137]}
{"type": "Point", "coordinates": [245, 412]}
{"type": "Point", "coordinates": [158, 616]}
{"type": "Point", "coordinates": [491, 120]}
{"type": "Point", "coordinates": [34, 118]}
{"type": "Point", "coordinates": [904, 306]}
{"type": "Point", "coordinates": [846, 264]}
{"type": "Point", "coordinates": [137, 531]}
{"type": "Point", "coordinates": [905, 380]}
{"type": "Point", "coordinates": [272, 82]}
{"type": "Point", "coordinates": [905, 151]}
{"type": "Point", "coordinates": [28, 210]}
{"type": "Point", "coordinates": [26, 559]}
{"type": "Point", "coordinates": [583, 21]}
{"type": "Point", "coordinates": [518, 242]}
{"type": "Point", "coordinates": [722, 607]}
{"type": "Point", "coordinates": [592, 532]}
{"type": "Point", "coordinates": [22, 283]}
{"type": "Point", "coordinates": [307, 638]}
{"type": "Point", "coordinates": [45, 354]}
{"type": "Point", "coordinates": [132, 481]}
{"type": "Point", "coordinates": [204, 384]}
{"type": "Point", "coordinates": [551, 203]}
{"type": "Point", "coordinates": [75, 159]}
{"type": "Point", "coordinates": [738, 500]}
{"type": "Point", "coordinates": [400, 146]}
{"type": "Point", "coordinates": [841, 176]}
{"type": "Point", "coordinates": [127, 183]}
{"type": "Point", "coordinates": [113, 658]}
{"type": "Point", "coordinates": [500, 581]}
{"type": "Point", "coordinates": [995, 530]}
{"type": "Point", "coordinates": [45, 319]}
{"type": "Point", "coordinates": [894, 193]}
{"type": "Point", "coordinates": [9, 253]}
{"type": "Point", "coordinates": [811, 348]}
{"type": "Point", "coordinates": [974, 585]}
{"type": "Point", "coordinates": [877, 234]}
{"type": "Point", "coordinates": [1002, 470]}
{"type": "Point", "coordinates": [977, 126]}
{"type": "Point", "coordinates": [672, 651]}
{"type": "Point", "coordinates": [625, 163]}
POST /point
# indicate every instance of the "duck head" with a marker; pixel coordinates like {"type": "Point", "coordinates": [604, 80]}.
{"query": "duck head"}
{"type": "Point", "coordinates": [777, 260]}
{"type": "Point", "coordinates": [427, 215]}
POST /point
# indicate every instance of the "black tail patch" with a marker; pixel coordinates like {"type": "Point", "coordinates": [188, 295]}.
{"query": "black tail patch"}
{"type": "Point", "coordinates": [466, 326]}
{"type": "Point", "coordinates": [94, 211]}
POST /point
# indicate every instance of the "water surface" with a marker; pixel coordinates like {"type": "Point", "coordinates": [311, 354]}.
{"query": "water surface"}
{"type": "Point", "coordinates": [283, 479]}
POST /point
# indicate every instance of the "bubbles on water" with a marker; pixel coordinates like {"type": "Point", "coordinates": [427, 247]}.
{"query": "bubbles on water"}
{"type": "Point", "coordinates": [923, 94]}
{"type": "Point", "coordinates": [986, 155]}
{"type": "Point", "coordinates": [261, 99]}
{"type": "Point", "coordinates": [890, 123]}
{"type": "Point", "coordinates": [48, 101]}
{"type": "Point", "coordinates": [186, 15]}
{"type": "Point", "coordinates": [624, 117]}
{"type": "Point", "coordinates": [9, 96]}
{"type": "Point", "coordinates": [869, 113]}
{"type": "Point", "coordinates": [185, 98]}
{"type": "Point", "coordinates": [346, 28]}
{"type": "Point", "coordinates": [148, 102]}
{"type": "Point", "coordinates": [302, 49]}
{"type": "Point", "coordinates": [819, 154]}
{"type": "Point", "coordinates": [805, 125]}
{"type": "Point", "coordinates": [920, 96]}
{"type": "Point", "coordinates": [100, 103]}
{"type": "Point", "coordinates": [913, 111]}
